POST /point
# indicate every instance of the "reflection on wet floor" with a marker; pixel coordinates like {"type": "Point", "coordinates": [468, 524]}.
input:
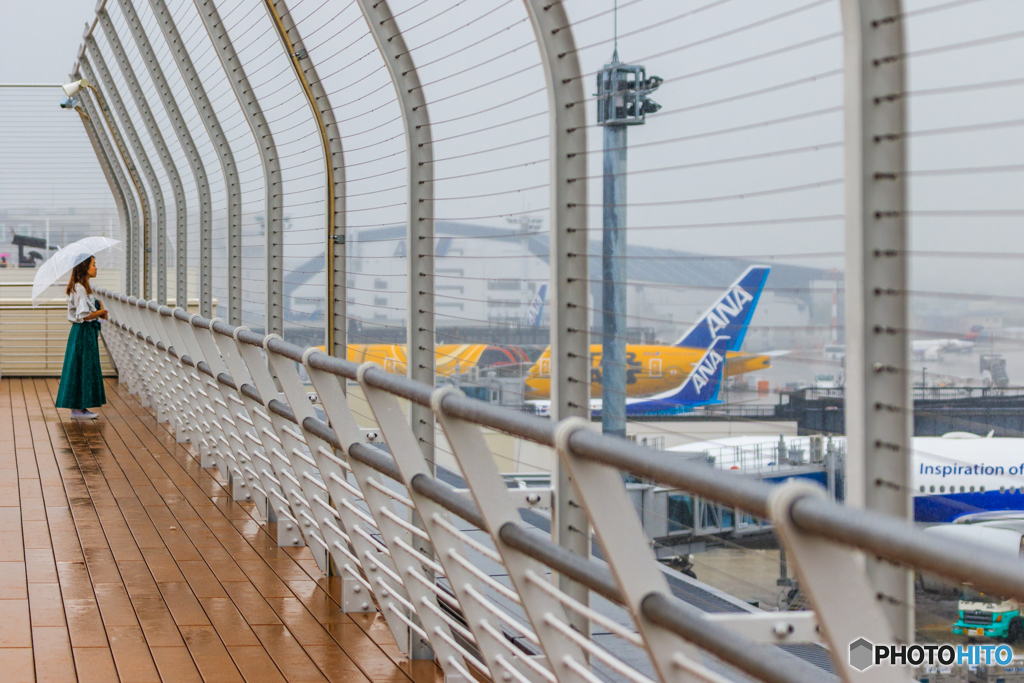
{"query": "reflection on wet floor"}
{"type": "Point", "coordinates": [122, 559]}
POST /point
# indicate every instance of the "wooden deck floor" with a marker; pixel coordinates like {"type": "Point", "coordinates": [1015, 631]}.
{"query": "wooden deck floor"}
{"type": "Point", "coordinates": [121, 559]}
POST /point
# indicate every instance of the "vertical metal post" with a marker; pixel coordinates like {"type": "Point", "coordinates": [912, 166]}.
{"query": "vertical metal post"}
{"type": "Point", "coordinates": [334, 169]}
{"type": "Point", "coordinates": [92, 54]}
{"type": "Point", "coordinates": [232, 190]}
{"type": "Point", "coordinates": [613, 272]}
{"type": "Point", "coordinates": [878, 403]}
{"type": "Point", "coordinates": [157, 137]}
{"type": "Point", "coordinates": [420, 231]}
{"type": "Point", "coordinates": [247, 99]}
{"type": "Point", "coordinates": [570, 346]}
{"type": "Point", "coordinates": [198, 172]}
{"type": "Point", "coordinates": [113, 175]}
{"type": "Point", "coordinates": [135, 226]}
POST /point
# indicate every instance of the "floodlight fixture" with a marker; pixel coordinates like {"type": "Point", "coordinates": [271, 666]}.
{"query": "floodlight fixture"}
{"type": "Point", "coordinates": [623, 94]}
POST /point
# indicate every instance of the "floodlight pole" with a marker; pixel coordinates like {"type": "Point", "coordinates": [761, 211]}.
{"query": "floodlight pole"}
{"type": "Point", "coordinates": [613, 267]}
{"type": "Point", "coordinates": [622, 101]}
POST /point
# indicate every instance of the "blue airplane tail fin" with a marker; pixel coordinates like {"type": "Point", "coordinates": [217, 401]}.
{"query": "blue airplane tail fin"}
{"type": "Point", "coordinates": [536, 312]}
{"type": "Point", "coordinates": [701, 386]}
{"type": "Point", "coordinates": [731, 314]}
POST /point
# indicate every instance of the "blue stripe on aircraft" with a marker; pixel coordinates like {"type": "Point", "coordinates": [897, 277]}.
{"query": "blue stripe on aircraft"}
{"type": "Point", "coordinates": [947, 507]}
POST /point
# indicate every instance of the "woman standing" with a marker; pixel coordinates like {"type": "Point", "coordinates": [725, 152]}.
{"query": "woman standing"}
{"type": "Point", "coordinates": [81, 380]}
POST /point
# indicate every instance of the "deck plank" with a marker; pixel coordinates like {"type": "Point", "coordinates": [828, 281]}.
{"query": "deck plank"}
{"type": "Point", "coordinates": [121, 559]}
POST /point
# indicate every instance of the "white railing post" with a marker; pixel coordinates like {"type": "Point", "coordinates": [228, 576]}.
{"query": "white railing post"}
{"type": "Point", "coordinates": [334, 168]}
{"type": "Point", "coordinates": [286, 450]}
{"type": "Point", "coordinates": [136, 223]}
{"type": "Point", "coordinates": [436, 521]}
{"type": "Point", "coordinates": [195, 161]}
{"type": "Point", "coordinates": [570, 333]}
{"type": "Point", "coordinates": [498, 509]}
{"type": "Point", "coordinates": [274, 189]}
{"type": "Point", "coordinates": [115, 177]}
{"type": "Point", "coordinates": [157, 138]}
{"type": "Point", "coordinates": [232, 192]}
{"type": "Point", "coordinates": [838, 589]}
{"type": "Point", "coordinates": [91, 55]}
{"type": "Point", "coordinates": [343, 497]}
{"type": "Point", "coordinates": [878, 403]}
{"type": "Point", "coordinates": [420, 207]}
{"type": "Point", "coordinates": [254, 426]}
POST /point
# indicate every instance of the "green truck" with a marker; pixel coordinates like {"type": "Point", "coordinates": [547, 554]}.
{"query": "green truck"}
{"type": "Point", "coordinates": [981, 614]}
{"type": "Point", "coordinates": [989, 616]}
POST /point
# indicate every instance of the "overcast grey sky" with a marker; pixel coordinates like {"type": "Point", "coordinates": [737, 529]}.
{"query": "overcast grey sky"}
{"type": "Point", "coordinates": [673, 182]}
{"type": "Point", "coordinates": [38, 39]}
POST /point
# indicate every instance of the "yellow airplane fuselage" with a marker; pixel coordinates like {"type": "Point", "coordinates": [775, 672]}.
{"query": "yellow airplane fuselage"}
{"type": "Point", "coordinates": [451, 359]}
{"type": "Point", "coordinates": [650, 369]}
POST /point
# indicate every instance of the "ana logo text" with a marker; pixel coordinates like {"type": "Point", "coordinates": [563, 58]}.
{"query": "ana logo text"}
{"type": "Point", "coordinates": [706, 370]}
{"type": "Point", "coordinates": [728, 308]}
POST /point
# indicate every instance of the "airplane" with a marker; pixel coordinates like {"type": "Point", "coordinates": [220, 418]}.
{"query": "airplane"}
{"type": "Point", "coordinates": [450, 359]}
{"type": "Point", "coordinates": [956, 476]}
{"type": "Point", "coordinates": [932, 349]}
{"type": "Point", "coordinates": [699, 389]}
{"type": "Point", "coordinates": [653, 369]}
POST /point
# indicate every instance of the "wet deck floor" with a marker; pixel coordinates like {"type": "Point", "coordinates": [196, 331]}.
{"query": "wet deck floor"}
{"type": "Point", "coordinates": [121, 559]}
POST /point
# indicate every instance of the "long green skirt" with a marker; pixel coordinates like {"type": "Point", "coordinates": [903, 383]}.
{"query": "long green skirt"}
{"type": "Point", "coordinates": [81, 380]}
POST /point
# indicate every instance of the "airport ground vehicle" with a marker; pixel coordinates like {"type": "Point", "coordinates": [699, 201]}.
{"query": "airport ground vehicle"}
{"type": "Point", "coordinates": [983, 614]}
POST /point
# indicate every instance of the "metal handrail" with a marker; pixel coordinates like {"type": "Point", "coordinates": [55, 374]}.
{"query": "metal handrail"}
{"type": "Point", "coordinates": [888, 538]}
{"type": "Point", "coordinates": [800, 515]}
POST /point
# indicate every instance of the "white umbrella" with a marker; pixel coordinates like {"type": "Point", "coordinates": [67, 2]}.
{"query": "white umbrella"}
{"type": "Point", "coordinates": [61, 263]}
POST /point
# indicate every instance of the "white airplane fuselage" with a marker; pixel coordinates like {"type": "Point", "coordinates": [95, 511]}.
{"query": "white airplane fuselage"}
{"type": "Point", "coordinates": [950, 477]}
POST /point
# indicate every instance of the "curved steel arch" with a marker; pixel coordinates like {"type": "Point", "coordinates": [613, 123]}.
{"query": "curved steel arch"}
{"type": "Point", "coordinates": [334, 168]}
{"type": "Point", "coordinates": [419, 226]}
{"type": "Point", "coordinates": [227, 163]}
{"type": "Point", "coordinates": [92, 55]}
{"type": "Point", "coordinates": [112, 171]}
{"type": "Point", "coordinates": [198, 172]}
{"type": "Point", "coordinates": [132, 264]}
{"type": "Point", "coordinates": [246, 97]}
{"type": "Point", "coordinates": [180, 206]}
{"type": "Point", "coordinates": [570, 346]}
{"type": "Point", "coordinates": [420, 206]}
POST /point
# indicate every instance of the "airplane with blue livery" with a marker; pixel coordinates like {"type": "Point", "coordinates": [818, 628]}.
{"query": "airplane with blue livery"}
{"type": "Point", "coordinates": [654, 369]}
{"type": "Point", "coordinates": [700, 389]}
{"type": "Point", "coordinates": [958, 477]}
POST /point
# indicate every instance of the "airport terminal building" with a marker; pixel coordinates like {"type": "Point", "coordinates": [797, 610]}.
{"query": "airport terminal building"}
{"type": "Point", "coordinates": [487, 277]}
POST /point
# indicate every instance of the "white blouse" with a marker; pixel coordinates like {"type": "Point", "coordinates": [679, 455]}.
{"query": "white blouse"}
{"type": "Point", "coordinates": [80, 304]}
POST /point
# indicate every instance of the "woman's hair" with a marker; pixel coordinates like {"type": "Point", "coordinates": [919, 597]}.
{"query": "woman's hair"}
{"type": "Point", "coordinates": [80, 275]}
